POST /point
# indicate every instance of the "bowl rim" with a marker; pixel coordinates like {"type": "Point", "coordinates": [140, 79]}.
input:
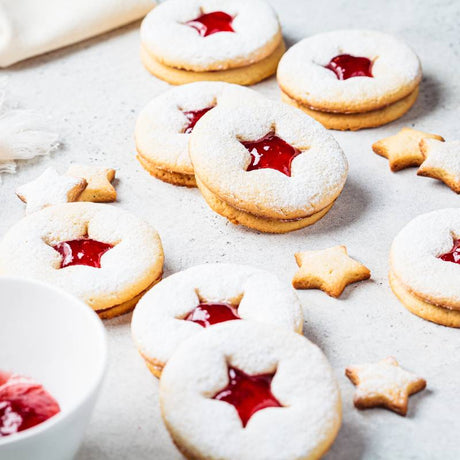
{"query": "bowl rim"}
{"type": "Point", "coordinates": [62, 416]}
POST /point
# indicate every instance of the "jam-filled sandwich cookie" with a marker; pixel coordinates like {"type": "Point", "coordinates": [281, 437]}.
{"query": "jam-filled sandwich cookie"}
{"type": "Point", "coordinates": [425, 266]}
{"type": "Point", "coordinates": [249, 391]}
{"type": "Point", "coordinates": [351, 79]}
{"type": "Point", "coordinates": [267, 165]}
{"type": "Point", "coordinates": [186, 302]}
{"type": "Point", "coordinates": [103, 255]}
{"type": "Point", "coordinates": [228, 40]}
{"type": "Point", "coordinates": [164, 126]}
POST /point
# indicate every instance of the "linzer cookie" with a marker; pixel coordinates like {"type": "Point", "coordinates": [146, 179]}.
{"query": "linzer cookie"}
{"type": "Point", "coordinates": [247, 390]}
{"type": "Point", "coordinates": [351, 79]}
{"type": "Point", "coordinates": [425, 266]}
{"type": "Point", "coordinates": [164, 126]}
{"type": "Point", "coordinates": [101, 254]}
{"type": "Point", "coordinates": [267, 165]}
{"type": "Point", "coordinates": [231, 40]}
{"type": "Point", "coordinates": [186, 302]}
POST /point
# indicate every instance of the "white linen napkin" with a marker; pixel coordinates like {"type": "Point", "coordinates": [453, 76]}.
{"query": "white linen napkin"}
{"type": "Point", "coordinates": [32, 27]}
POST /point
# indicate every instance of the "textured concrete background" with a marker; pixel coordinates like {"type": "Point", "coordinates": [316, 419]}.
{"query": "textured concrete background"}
{"type": "Point", "coordinates": [92, 93]}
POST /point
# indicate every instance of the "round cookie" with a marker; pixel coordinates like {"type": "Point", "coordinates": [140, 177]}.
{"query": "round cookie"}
{"type": "Point", "coordinates": [191, 40]}
{"type": "Point", "coordinates": [424, 268]}
{"type": "Point", "coordinates": [103, 255]}
{"type": "Point", "coordinates": [267, 165]}
{"type": "Point", "coordinates": [163, 127]}
{"type": "Point", "coordinates": [250, 391]}
{"type": "Point", "coordinates": [182, 304]}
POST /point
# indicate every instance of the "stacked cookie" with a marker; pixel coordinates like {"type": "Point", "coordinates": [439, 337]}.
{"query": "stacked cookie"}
{"type": "Point", "coordinates": [249, 387]}
{"type": "Point", "coordinates": [350, 79]}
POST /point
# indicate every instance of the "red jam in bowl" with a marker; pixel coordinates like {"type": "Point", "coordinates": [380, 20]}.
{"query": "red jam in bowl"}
{"type": "Point", "coordinates": [346, 66]}
{"type": "Point", "coordinates": [207, 314]}
{"type": "Point", "coordinates": [192, 118]}
{"type": "Point", "coordinates": [453, 255]}
{"type": "Point", "coordinates": [212, 23]}
{"type": "Point", "coordinates": [24, 403]}
{"type": "Point", "coordinates": [82, 252]}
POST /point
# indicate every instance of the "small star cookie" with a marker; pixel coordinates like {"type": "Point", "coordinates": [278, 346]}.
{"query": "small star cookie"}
{"type": "Point", "coordinates": [384, 384]}
{"type": "Point", "coordinates": [402, 149]}
{"type": "Point", "coordinates": [330, 270]}
{"type": "Point", "coordinates": [49, 189]}
{"type": "Point", "coordinates": [99, 188]}
{"type": "Point", "coordinates": [442, 162]}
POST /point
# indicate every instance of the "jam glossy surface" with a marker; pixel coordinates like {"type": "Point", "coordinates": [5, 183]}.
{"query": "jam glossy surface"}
{"type": "Point", "coordinates": [82, 252]}
{"type": "Point", "coordinates": [207, 314]}
{"type": "Point", "coordinates": [247, 393]}
{"type": "Point", "coordinates": [347, 66]}
{"type": "Point", "coordinates": [23, 404]}
{"type": "Point", "coordinates": [192, 118]}
{"type": "Point", "coordinates": [271, 152]}
{"type": "Point", "coordinates": [453, 255]}
{"type": "Point", "coordinates": [212, 23]}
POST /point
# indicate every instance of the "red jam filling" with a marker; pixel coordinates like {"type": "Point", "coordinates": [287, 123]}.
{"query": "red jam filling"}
{"type": "Point", "coordinates": [247, 393]}
{"type": "Point", "coordinates": [192, 117]}
{"type": "Point", "coordinates": [271, 152]}
{"type": "Point", "coordinates": [211, 23]}
{"type": "Point", "coordinates": [23, 404]}
{"type": "Point", "coordinates": [346, 66]}
{"type": "Point", "coordinates": [453, 255]}
{"type": "Point", "coordinates": [207, 314]}
{"type": "Point", "coordinates": [82, 252]}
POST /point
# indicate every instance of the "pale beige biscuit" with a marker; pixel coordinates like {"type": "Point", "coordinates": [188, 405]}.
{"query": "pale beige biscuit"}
{"type": "Point", "coordinates": [99, 187]}
{"type": "Point", "coordinates": [402, 149]}
{"type": "Point", "coordinates": [299, 377]}
{"type": "Point", "coordinates": [175, 178]}
{"type": "Point", "coordinates": [421, 308]}
{"type": "Point", "coordinates": [50, 188]}
{"type": "Point", "coordinates": [262, 224]}
{"type": "Point", "coordinates": [357, 121]}
{"type": "Point", "coordinates": [330, 270]}
{"type": "Point", "coordinates": [127, 269]}
{"type": "Point", "coordinates": [247, 75]}
{"type": "Point", "coordinates": [442, 162]}
{"type": "Point", "coordinates": [384, 384]}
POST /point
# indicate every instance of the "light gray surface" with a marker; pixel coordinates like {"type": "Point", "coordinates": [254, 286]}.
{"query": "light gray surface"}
{"type": "Point", "coordinates": [93, 91]}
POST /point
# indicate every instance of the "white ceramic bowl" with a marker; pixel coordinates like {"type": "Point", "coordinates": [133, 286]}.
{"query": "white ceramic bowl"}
{"type": "Point", "coordinates": [60, 342]}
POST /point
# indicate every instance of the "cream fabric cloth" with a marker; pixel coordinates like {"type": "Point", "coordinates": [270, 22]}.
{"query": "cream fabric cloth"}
{"type": "Point", "coordinates": [32, 27]}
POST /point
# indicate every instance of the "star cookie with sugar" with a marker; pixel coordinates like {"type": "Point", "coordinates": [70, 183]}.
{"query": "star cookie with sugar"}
{"type": "Point", "coordinates": [330, 270]}
{"type": "Point", "coordinates": [48, 189]}
{"type": "Point", "coordinates": [442, 162]}
{"type": "Point", "coordinates": [99, 188]}
{"type": "Point", "coordinates": [402, 150]}
{"type": "Point", "coordinates": [384, 384]}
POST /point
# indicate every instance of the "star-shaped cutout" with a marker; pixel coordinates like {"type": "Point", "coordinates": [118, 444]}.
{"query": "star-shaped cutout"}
{"type": "Point", "coordinates": [49, 189]}
{"type": "Point", "coordinates": [442, 162]}
{"type": "Point", "coordinates": [206, 314]}
{"type": "Point", "coordinates": [330, 270]}
{"type": "Point", "coordinates": [403, 149]}
{"type": "Point", "coordinates": [212, 23]}
{"type": "Point", "coordinates": [384, 384]}
{"type": "Point", "coordinates": [99, 188]}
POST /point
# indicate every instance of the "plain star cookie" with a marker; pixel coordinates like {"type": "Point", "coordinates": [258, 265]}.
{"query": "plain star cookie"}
{"type": "Point", "coordinates": [186, 302]}
{"type": "Point", "coordinates": [442, 162]}
{"type": "Point", "coordinates": [425, 266]}
{"type": "Point", "coordinates": [384, 384]}
{"type": "Point", "coordinates": [330, 270]}
{"type": "Point", "coordinates": [250, 391]}
{"type": "Point", "coordinates": [403, 149]}
{"type": "Point", "coordinates": [164, 126]}
{"type": "Point", "coordinates": [99, 180]}
{"type": "Point", "coordinates": [266, 165]}
{"type": "Point", "coordinates": [105, 256]}
{"type": "Point", "coordinates": [228, 40]}
{"type": "Point", "coordinates": [50, 188]}
{"type": "Point", "coordinates": [350, 79]}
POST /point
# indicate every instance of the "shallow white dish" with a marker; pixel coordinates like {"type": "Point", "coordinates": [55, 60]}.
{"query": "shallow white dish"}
{"type": "Point", "coordinates": [57, 340]}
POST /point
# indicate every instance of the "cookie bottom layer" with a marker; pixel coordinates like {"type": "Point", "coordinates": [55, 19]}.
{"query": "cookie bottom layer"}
{"type": "Point", "coordinates": [247, 75]}
{"type": "Point", "coordinates": [356, 121]}
{"type": "Point", "coordinates": [171, 177]}
{"type": "Point", "coordinates": [419, 307]}
{"type": "Point", "coordinates": [262, 224]}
